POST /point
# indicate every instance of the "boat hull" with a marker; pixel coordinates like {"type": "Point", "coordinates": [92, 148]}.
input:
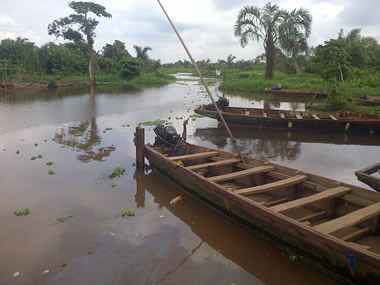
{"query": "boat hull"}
{"type": "Point", "coordinates": [324, 252]}
{"type": "Point", "coordinates": [344, 125]}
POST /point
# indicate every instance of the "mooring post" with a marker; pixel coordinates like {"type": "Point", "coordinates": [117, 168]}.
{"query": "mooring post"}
{"type": "Point", "coordinates": [140, 144]}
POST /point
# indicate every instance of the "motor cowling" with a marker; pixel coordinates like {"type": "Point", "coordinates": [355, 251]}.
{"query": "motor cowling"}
{"type": "Point", "coordinates": [166, 136]}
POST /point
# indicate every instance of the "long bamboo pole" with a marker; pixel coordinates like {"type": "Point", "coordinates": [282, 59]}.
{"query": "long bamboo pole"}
{"type": "Point", "coordinates": [204, 84]}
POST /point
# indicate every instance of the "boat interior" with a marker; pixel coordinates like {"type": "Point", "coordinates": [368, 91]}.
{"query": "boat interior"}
{"type": "Point", "coordinates": [330, 207]}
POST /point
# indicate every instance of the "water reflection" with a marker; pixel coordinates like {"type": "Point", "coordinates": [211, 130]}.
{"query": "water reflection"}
{"type": "Point", "coordinates": [85, 136]}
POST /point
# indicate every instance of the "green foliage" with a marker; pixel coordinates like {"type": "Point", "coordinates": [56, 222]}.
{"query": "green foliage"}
{"type": "Point", "coordinates": [23, 212]}
{"type": "Point", "coordinates": [130, 67]}
{"type": "Point", "coordinates": [90, 251]}
{"type": "Point", "coordinates": [127, 213]}
{"type": "Point", "coordinates": [334, 60]}
{"type": "Point", "coordinates": [117, 172]}
{"type": "Point", "coordinates": [51, 172]}
{"type": "Point", "coordinates": [49, 163]}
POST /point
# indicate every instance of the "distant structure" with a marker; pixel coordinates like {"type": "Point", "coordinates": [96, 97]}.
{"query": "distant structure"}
{"type": "Point", "coordinates": [217, 72]}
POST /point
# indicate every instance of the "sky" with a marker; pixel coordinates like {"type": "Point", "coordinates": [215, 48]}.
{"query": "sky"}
{"type": "Point", "coordinates": [206, 26]}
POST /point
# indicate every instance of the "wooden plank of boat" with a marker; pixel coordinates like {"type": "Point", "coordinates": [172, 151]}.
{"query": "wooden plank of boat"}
{"type": "Point", "coordinates": [214, 163]}
{"type": "Point", "coordinates": [330, 193]}
{"type": "Point", "coordinates": [365, 175]}
{"type": "Point", "coordinates": [315, 117]}
{"type": "Point", "coordinates": [298, 116]}
{"type": "Point", "coordinates": [332, 118]}
{"type": "Point", "coordinates": [239, 174]}
{"type": "Point", "coordinates": [193, 156]}
{"type": "Point", "coordinates": [282, 115]}
{"type": "Point", "coordinates": [350, 219]}
{"type": "Point", "coordinates": [272, 186]}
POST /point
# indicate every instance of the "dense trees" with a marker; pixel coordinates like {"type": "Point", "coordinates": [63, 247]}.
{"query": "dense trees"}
{"type": "Point", "coordinates": [80, 27]}
{"type": "Point", "coordinates": [273, 25]}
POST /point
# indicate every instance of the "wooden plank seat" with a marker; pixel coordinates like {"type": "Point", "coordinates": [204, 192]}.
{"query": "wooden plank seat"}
{"type": "Point", "coordinates": [350, 219]}
{"type": "Point", "coordinates": [332, 118]}
{"type": "Point", "coordinates": [298, 116]}
{"type": "Point", "coordinates": [272, 186]}
{"type": "Point", "coordinates": [282, 115]}
{"type": "Point", "coordinates": [330, 193]}
{"type": "Point", "coordinates": [214, 163]}
{"type": "Point", "coordinates": [315, 117]}
{"type": "Point", "coordinates": [239, 174]}
{"type": "Point", "coordinates": [193, 156]}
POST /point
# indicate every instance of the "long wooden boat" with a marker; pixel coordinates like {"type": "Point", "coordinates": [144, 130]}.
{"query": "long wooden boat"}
{"type": "Point", "coordinates": [315, 94]}
{"type": "Point", "coordinates": [293, 119]}
{"type": "Point", "coordinates": [332, 224]}
{"type": "Point", "coordinates": [370, 101]}
{"type": "Point", "coordinates": [366, 175]}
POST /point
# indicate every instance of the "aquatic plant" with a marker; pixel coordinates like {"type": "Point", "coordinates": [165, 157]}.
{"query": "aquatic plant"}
{"type": "Point", "coordinates": [113, 184]}
{"type": "Point", "coordinates": [23, 212]}
{"type": "Point", "coordinates": [39, 156]}
{"type": "Point", "coordinates": [62, 219]}
{"type": "Point", "coordinates": [127, 213]}
{"type": "Point", "coordinates": [33, 158]}
{"type": "Point", "coordinates": [152, 123]}
{"type": "Point", "coordinates": [117, 172]}
{"type": "Point", "coordinates": [17, 152]}
{"type": "Point", "coordinates": [49, 163]}
{"type": "Point", "coordinates": [90, 251]}
{"type": "Point", "coordinates": [51, 172]}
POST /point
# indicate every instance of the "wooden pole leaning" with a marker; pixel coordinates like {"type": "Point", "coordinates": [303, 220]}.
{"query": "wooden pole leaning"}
{"type": "Point", "coordinates": [204, 84]}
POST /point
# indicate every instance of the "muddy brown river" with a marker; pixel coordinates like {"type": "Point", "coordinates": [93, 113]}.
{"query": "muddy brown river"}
{"type": "Point", "coordinates": [87, 133]}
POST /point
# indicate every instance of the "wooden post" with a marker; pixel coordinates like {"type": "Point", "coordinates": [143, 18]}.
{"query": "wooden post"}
{"type": "Point", "coordinates": [140, 144]}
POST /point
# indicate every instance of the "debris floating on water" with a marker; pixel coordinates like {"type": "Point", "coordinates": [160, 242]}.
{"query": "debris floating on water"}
{"type": "Point", "coordinates": [176, 200]}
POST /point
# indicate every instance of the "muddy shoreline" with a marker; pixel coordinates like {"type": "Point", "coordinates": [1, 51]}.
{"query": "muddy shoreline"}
{"type": "Point", "coordinates": [35, 85]}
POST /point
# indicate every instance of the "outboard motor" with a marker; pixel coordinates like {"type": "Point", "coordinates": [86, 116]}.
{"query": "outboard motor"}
{"type": "Point", "coordinates": [222, 103]}
{"type": "Point", "coordinates": [166, 136]}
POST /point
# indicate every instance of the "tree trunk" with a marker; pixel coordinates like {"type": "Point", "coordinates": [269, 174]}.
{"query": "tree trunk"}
{"type": "Point", "coordinates": [296, 66]}
{"type": "Point", "coordinates": [91, 67]}
{"type": "Point", "coordinates": [269, 54]}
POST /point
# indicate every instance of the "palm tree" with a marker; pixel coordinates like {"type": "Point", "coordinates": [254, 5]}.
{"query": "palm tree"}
{"type": "Point", "coordinates": [142, 52]}
{"type": "Point", "coordinates": [293, 32]}
{"type": "Point", "coordinates": [254, 23]}
{"type": "Point", "coordinates": [230, 60]}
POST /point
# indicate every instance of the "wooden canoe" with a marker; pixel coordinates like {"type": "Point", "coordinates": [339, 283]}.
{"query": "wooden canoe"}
{"type": "Point", "coordinates": [366, 175]}
{"type": "Point", "coordinates": [313, 94]}
{"type": "Point", "coordinates": [293, 119]}
{"type": "Point", "coordinates": [330, 224]}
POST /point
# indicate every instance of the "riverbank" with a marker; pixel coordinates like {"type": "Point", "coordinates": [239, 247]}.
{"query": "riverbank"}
{"type": "Point", "coordinates": [144, 79]}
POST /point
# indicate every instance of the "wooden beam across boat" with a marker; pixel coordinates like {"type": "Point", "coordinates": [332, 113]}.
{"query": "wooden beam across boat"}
{"type": "Point", "coordinates": [243, 173]}
{"type": "Point", "coordinates": [193, 156]}
{"type": "Point", "coordinates": [272, 186]}
{"type": "Point", "coordinates": [330, 193]}
{"type": "Point", "coordinates": [214, 163]}
{"type": "Point", "coordinates": [349, 219]}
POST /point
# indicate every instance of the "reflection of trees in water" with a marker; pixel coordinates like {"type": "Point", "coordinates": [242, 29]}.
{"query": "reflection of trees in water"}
{"type": "Point", "coordinates": [84, 137]}
{"type": "Point", "coordinates": [270, 149]}
{"type": "Point", "coordinates": [252, 144]}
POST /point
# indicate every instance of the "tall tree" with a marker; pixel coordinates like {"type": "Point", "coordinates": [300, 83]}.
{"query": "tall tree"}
{"type": "Point", "coordinates": [293, 32]}
{"type": "Point", "coordinates": [254, 23]}
{"type": "Point", "coordinates": [273, 25]}
{"type": "Point", "coordinates": [80, 27]}
{"type": "Point", "coordinates": [142, 52]}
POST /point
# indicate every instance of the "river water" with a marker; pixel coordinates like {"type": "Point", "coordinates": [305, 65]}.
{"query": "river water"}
{"type": "Point", "coordinates": [86, 133]}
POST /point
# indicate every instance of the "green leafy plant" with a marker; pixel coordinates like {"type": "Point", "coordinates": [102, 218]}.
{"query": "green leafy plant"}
{"type": "Point", "coordinates": [49, 163]}
{"type": "Point", "coordinates": [39, 156]}
{"type": "Point", "coordinates": [62, 219]}
{"type": "Point", "coordinates": [117, 172]}
{"type": "Point", "coordinates": [23, 212]}
{"type": "Point", "coordinates": [127, 213]}
{"type": "Point", "coordinates": [51, 172]}
{"type": "Point", "coordinates": [90, 251]}
{"type": "Point", "coordinates": [113, 184]}
{"type": "Point", "coordinates": [33, 158]}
